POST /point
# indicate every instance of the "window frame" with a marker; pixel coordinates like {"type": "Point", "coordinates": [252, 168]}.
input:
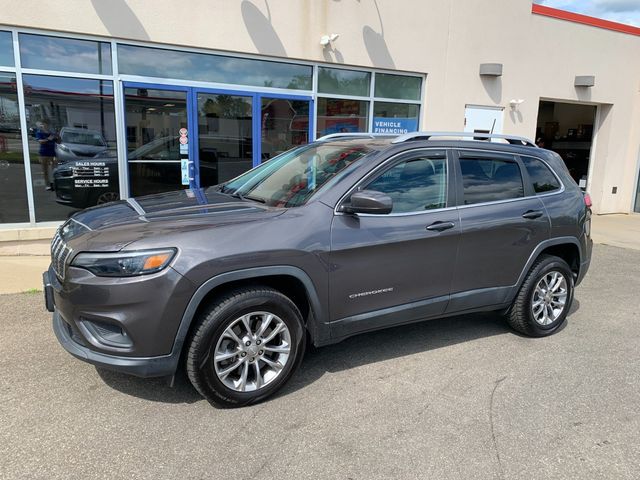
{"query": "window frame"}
{"type": "Point", "coordinates": [392, 161]}
{"type": "Point", "coordinates": [461, 153]}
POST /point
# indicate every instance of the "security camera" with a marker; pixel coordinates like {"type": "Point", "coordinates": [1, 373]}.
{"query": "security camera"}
{"type": "Point", "coordinates": [327, 39]}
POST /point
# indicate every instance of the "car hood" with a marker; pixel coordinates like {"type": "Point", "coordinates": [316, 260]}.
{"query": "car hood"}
{"type": "Point", "coordinates": [84, 148]}
{"type": "Point", "coordinates": [115, 225]}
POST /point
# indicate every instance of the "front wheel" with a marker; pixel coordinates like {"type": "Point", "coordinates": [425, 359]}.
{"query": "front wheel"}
{"type": "Point", "coordinates": [544, 299]}
{"type": "Point", "coordinates": [245, 347]}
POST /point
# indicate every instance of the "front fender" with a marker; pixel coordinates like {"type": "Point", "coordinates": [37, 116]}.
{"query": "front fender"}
{"type": "Point", "coordinates": [316, 326]}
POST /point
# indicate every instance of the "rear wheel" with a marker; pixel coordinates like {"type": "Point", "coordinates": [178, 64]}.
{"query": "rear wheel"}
{"type": "Point", "coordinates": [542, 304]}
{"type": "Point", "coordinates": [245, 347]}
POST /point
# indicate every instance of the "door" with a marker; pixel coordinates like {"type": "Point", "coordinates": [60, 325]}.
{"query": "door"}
{"type": "Point", "coordinates": [236, 131]}
{"type": "Point", "coordinates": [394, 268]}
{"type": "Point", "coordinates": [155, 117]}
{"type": "Point", "coordinates": [225, 136]}
{"type": "Point", "coordinates": [184, 137]}
{"type": "Point", "coordinates": [501, 222]}
{"type": "Point", "coordinates": [483, 119]}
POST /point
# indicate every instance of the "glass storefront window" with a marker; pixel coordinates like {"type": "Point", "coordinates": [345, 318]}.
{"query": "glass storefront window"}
{"type": "Point", "coordinates": [337, 115]}
{"type": "Point", "coordinates": [6, 49]}
{"type": "Point", "coordinates": [64, 54]}
{"type": "Point", "coordinates": [396, 118]}
{"type": "Point", "coordinates": [285, 124]}
{"type": "Point", "coordinates": [398, 86]}
{"type": "Point", "coordinates": [157, 62]}
{"type": "Point", "coordinates": [13, 191]}
{"type": "Point", "coordinates": [343, 82]}
{"type": "Point", "coordinates": [72, 144]}
{"type": "Point", "coordinates": [225, 137]}
{"type": "Point", "coordinates": [154, 118]}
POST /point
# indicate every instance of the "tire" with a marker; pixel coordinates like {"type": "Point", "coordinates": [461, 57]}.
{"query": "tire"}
{"type": "Point", "coordinates": [538, 315]}
{"type": "Point", "coordinates": [219, 342]}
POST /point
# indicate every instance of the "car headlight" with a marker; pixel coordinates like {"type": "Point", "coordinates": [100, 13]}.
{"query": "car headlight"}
{"type": "Point", "coordinates": [64, 148]}
{"type": "Point", "coordinates": [124, 264]}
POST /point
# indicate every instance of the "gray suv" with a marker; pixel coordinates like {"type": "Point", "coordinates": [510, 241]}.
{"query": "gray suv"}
{"type": "Point", "coordinates": [346, 235]}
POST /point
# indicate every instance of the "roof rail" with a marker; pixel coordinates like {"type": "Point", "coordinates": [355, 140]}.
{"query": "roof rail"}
{"type": "Point", "coordinates": [333, 136]}
{"type": "Point", "coordinates": [512, 139]}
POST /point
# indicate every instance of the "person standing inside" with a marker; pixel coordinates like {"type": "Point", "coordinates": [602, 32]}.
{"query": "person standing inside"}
{"type": "Point", "coordinates": [47, 140]}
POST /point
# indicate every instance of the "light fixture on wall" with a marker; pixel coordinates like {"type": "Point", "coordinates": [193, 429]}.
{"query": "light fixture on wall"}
{"type": "Point", "coordinates": [515, 104]}
{"type": "Point", "coordinates": [326, 40]}
{"type": "Point", "coordinates": [491, 70]}
{"type": "Point", "coordinates": [586, 81]}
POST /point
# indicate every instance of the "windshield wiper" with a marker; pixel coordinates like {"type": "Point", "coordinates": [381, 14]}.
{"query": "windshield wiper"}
{"type": "Point", "coordinates": [255, 199]}
{"type": "Point", "coordinates": [247, 197]}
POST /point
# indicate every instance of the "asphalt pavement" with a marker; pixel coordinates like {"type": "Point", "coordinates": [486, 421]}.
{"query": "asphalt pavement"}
{"type": "Point", "coordinates": [461, 398]}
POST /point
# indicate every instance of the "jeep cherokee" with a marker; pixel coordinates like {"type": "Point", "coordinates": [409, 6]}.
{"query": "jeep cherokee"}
{"type": "Point", "coordinates": [348, 234]}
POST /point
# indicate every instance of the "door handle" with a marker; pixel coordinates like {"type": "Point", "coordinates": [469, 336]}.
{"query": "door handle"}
{"type": "Point", "coordinates": [440, 226]}
{"type": "Point", "coordinates": [532, 214]}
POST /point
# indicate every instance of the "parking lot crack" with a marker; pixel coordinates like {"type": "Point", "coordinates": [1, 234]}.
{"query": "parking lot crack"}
{"type": "Point", "coordinates": [491, 422]}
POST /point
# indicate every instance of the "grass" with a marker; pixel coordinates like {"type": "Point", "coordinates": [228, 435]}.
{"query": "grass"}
{"type": "Point", "coordinates": [33, 290]}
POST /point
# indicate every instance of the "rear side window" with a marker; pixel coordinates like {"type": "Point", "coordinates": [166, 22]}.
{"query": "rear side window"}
{"type": "Point", "coordinates": [414, 185]}
{"type": "Point", "coordinates": [541, 176]}
{"type": "Point", "coordinates": [490, 180]}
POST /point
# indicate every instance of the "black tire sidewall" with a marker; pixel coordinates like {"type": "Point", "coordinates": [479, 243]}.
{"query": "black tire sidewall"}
{"type": "Point", "coordinates": [544, 268]}
{"type": "Point", "coordinates": [216, 323]}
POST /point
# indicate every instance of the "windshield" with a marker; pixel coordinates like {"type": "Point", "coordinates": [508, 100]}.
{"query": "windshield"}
{"type": "Point", "coordinates": [291, 178]}
{"type": "Point", "coordinates": [83, 138]}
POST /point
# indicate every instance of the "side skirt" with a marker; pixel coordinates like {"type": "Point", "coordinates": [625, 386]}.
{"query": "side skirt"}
{"type": "Point", "coordinates": [413, 312]}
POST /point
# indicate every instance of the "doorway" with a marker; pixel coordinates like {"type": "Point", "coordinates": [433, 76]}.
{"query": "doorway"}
{"type": "Point", "coordinates": [568, 130]}
{"type": "Point", "coordinates": [481, 119]}
{"type": "Point", "coordinates": [185, 137]}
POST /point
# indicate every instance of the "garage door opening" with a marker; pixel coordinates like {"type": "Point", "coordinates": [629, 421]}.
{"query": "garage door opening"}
{"type": "Point", "coordinates": [568, 129]}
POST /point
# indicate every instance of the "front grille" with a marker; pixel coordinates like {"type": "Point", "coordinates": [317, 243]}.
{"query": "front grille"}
{"type": "Point", "coordinates": [59, 255]}
{"type": "Point", "coordinates": [83, 154]}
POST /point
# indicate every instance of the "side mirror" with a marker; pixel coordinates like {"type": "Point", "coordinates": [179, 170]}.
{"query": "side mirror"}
{"type": "Point", "coordinates": [369, 201]}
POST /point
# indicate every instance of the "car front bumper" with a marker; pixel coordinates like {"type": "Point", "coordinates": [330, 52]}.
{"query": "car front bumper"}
{"type": "Point", "coordinates": [127, 325]}
{"type": "Point", "coordinates": [139, 366]}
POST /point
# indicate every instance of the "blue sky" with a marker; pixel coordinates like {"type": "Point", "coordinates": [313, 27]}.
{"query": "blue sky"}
{"type": "Point", "coordinates": [623, 11]}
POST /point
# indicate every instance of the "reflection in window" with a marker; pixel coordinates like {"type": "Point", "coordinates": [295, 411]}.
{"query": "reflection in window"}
{"type": "Point", "coordinates": [398, 86]}
{"type": "Point", "coordinates": [6, 49]}
{"type": "Point", "coordinates": [72, 144]}
{"type": "Point", "coordinates": [156, 62]}
{"type": "Point", "coordinates": [292, 178]}
{"type": "Point", "coordinates": [415, 185]}
{"type": "Point", "coordinates": [225, 137]}
{"type": "Point", "coordinates": [490, 180]}
{"type": "Point", "coordinates": [285, 124]}
{"type": "Point", "coordinates": [343, 82]}
{"type": "Point", "coordinates": [541, 177]}
{"type": "Point", "coordinates": [13, 193]}
{"type": "Point", "coordinates": [64, 54]}
{"type": "Point", "coordinates": [336, 115]}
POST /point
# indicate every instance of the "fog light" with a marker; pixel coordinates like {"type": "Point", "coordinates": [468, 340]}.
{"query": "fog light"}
{"type": "Point", "coordinates": [106, 334]}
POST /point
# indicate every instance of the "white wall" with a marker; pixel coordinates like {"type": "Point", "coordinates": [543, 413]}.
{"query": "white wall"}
{"type": "Point", "coordinates": [446, 39]}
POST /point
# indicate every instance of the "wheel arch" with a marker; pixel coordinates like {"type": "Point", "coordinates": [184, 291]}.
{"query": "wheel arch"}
{"type": "Point", "coordinates": [290, 281]}
{"type": "Point", "coordinates": [567, 248]}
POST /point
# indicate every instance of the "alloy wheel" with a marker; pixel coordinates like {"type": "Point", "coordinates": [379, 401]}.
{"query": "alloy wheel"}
{"type": "Point", "coordinates": [549, 298]}
{"type": "Point", "coordinates": [252, 351]}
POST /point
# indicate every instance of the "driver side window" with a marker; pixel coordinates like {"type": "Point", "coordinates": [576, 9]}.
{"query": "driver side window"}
{"type": "Point", "coordinates": [414, 185]}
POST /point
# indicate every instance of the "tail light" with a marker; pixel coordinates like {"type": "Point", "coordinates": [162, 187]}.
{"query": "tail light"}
{"type": "Point", "coordinates": [587, 200]}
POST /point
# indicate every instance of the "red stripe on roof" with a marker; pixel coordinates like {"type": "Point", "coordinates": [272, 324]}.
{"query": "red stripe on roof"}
{"type": "Point", "coordinates": [584, 19]}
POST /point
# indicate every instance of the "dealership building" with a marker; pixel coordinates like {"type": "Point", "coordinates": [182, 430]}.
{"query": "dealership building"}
{"type": "Point", "coordinates": [112, 99]}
